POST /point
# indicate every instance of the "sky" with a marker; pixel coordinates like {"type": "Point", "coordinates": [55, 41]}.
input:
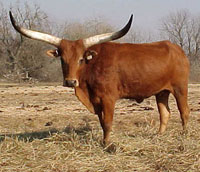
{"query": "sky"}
{"type": "Point", "coordinates": [147, 13]}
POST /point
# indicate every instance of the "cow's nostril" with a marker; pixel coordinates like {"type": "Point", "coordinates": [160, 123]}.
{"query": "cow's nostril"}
{"type": "Point", "coordinates": [70, 83]}
{"type": "Point", "coordinates": [74, 82]}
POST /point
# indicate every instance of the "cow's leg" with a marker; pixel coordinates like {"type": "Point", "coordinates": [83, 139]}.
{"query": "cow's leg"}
{"type": "Point", "coordinates": [106, 118]}
{"type": "Point", "coordinates": [163, 108]}
{"type": "Point", "coordinates": [181, 99]}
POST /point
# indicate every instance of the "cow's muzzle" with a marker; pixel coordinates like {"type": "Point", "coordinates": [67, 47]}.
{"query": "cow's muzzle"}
{"type": "Point", "coordinates": [71, 83]}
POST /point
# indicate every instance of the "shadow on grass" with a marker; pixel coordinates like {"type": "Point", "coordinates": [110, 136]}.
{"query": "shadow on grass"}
{"type": "Point", "coordinates": [29, 137]}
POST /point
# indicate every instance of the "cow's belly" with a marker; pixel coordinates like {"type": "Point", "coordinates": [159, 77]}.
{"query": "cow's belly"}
{"type": "Point", "coordinates": [139, 91]}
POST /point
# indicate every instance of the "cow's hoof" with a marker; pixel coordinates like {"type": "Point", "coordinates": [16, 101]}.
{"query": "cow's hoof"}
{"type": "Point", "coordinates": [110, 148]}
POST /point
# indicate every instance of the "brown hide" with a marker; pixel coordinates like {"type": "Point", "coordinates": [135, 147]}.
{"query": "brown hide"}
{"type": "Point", "coordinates": [134, 71]}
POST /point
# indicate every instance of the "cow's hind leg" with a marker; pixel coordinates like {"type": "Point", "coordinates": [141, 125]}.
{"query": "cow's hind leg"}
{"type": "Point", "coordinates": [163, 108]}
{"type": "Point", "coordinates": [181, 99]}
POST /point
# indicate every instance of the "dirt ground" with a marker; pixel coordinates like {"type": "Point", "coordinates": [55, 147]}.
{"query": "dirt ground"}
{"type": "Point", "coordinates": [33, 116]}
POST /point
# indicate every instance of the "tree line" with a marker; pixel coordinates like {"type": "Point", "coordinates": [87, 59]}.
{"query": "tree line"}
{"type": "Point", "coordinates": [22, 59]}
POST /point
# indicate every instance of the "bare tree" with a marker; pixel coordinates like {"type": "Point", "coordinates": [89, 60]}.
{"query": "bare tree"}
{"type": "Point", "coordinates": [138, 35]}
{"type": "Point", "coordinates": [175, 27]}
{"type": "Point", "coordinates": [183, 29]}
{"type": "Point", "coordinates": [77, 30]}
{"type": "Point", "coordinates": [22, 55]}
{"type": "Point", "coordinates": [194, 38]}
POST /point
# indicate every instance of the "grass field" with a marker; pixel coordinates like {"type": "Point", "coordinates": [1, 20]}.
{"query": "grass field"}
{"type": "Point", "coordinates": [44, 128]}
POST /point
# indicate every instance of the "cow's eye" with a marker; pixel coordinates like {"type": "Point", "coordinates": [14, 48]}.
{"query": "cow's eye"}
{"type": "Point", "coordinates": [57, 53]}
{"type": "Point", "coordinates": [81, 61]}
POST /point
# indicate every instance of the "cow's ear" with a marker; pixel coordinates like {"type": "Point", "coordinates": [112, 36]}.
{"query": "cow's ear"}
{"type": "Point", "coordinates": [53, 53]}
{"type": "Point", "coordinates": [90, 54]}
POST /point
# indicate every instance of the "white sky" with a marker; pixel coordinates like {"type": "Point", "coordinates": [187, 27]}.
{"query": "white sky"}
{"type": "Point", "coordinates": [117, 12]}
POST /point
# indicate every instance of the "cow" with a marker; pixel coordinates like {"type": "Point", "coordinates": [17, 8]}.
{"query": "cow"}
{"type": "Point", "coordinates": [101, 72]}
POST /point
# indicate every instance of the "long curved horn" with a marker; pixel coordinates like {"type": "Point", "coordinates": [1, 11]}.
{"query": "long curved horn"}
{"type": "Point", "coordinates": [34, 34]}
{"type": "Point", "coordinates": [97, 39]}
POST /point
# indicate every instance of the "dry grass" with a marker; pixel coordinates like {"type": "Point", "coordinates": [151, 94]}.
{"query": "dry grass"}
{"type": "Point", "coordinates": [45, 128]}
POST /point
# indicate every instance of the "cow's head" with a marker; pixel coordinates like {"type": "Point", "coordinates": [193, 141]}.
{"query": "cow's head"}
{"type": "Point", "coordinates": [73, 53]}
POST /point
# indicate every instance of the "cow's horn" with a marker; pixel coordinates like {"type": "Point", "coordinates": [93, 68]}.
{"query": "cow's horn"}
{"type": "Point", "coordinates": [35, 35]}
{"type": "Point", "coordinates": [88, 42]}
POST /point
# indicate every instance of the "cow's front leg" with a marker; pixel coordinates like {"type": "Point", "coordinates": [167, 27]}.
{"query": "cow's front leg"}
{"type": "Point", "coordinates": [106, 118]}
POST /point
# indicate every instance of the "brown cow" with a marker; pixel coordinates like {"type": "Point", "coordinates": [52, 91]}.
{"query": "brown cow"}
{"type": "Point", "coordinates": [103, 73]}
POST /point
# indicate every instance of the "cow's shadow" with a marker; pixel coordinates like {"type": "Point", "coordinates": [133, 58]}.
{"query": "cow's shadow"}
{"type": "Point", "coordinates": [30, 136]}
